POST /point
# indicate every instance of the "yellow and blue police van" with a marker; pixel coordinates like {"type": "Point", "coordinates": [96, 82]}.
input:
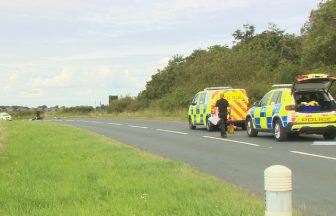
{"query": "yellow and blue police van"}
{"type": "Point", "coordinates": [202, 110]}
{"type": "Point", "coordinates": [306, 106]}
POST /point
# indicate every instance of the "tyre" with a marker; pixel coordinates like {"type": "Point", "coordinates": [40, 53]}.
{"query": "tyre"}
{"type": "Point", "coordinates": [209, 126]}
{"type": "Point", "coordinates": [293, 135]}
{"type": "Point", "coordinates": [279, 131]}
{"type": "Point", "coordinates": [251, 131]}
{"type": "Point", "coordinates": [329, 136]}
{"type": "Point", "coordinates": [191, 125]}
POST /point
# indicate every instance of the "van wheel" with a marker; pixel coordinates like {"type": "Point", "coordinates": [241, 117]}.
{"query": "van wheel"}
{"type": "Point", "coordinates": [329, 136]}
{"type": "Point", "coordinates": [251, 132]}
{"type": "Point", "coordinates": [191, 125]}
{"type": "Point", "coordinates": [209, 126]}
{"type": "Point", "coordinates": [279, 131]}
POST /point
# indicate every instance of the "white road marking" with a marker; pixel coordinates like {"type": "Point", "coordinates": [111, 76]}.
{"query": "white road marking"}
{"type": "Point", "coordinates": [111, 123]}
{"type": "Point", "coordinates": [136, 126]}
{"type": "Point", "coordinates": [170, 131]}
{"type": "Point", "coordinates": [83, 121]}
{"type": "Point", "coordinates": [324, 143]}
{"type": "Point", "coordinates": [97, 122]}
{"type": "Point", "coordinates": [230, 140]}
{"type": "Point", "coordinates": [70, 120]}
{"type": "Point", "coordinates": [80, 121]}
{"type": "Point", "coordinates": [314, 155]}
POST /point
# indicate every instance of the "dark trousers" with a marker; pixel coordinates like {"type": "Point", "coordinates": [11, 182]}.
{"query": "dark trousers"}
{"type": "Point", "coordinates": [222, 124]}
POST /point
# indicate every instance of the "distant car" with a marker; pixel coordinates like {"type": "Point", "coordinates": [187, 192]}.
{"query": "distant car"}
{"type": "Point", "coordinates": [303, 107]}
{"type": "Point", "coordinates": [5, 116]}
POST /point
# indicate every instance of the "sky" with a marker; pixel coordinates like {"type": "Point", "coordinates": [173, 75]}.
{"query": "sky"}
{"type": "Point", "coordinates": [77, 52]}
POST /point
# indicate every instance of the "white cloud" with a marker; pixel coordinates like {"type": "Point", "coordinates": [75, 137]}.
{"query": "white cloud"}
{"type": "Point", "coordinates": [111, 77]}
{"type": "Point", "coordinates": [35, 93]}
{"type": "Point", "coordinates": [62, 79]}
{"type": "Point", "coordinates": [158, 14]}
{"type": "Point", "coordinates": [77, 57]}
{"type": "Point", "coordinates": [207, 5]}
{"type": "Point", "coordinates": [11, 82]}
{"type": "Point", "coordinates": [38, 4]}
{"type": "Point", "coordinates": [132, 80]}
{"type": "Point", "coordinates": [14, 78]}
{"type": "Point", "coordinates": [164, 61]}
{"type": "Point", "coordinates": [99, 75]}
{"type": "Point", "coordinates": [88, 93]}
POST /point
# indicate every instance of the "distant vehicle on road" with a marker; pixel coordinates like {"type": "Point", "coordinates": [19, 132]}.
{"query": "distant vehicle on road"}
{"type": "Point", "coordinates": [306, 106]}
{"type": "Point", "coordinates": [5, 116]}
{"type": "Point", "coordinates": [202, 110]}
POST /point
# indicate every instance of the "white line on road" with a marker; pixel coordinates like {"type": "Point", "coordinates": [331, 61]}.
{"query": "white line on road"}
{"type": "Point", "coordinates": [170, 131]}
{"type": "Point", "coordinates": [112, 123]}
{"type": "Point", "coordinates": [97, 122]}
{"type": "Point", "coordinates": [324, 143]}
{"type": "Point", "coordinates": [83, 121]}
{"type": "Point", "coordinates": [70, 120]}
{"type": "Point", "coordinates": [230, 140]}
{"type": "Point", "coordinates": [314, 155]}
{"type": "Point", "coordinates": [136, 126]}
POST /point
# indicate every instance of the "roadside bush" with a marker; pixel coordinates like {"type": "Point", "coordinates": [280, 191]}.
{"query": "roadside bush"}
{"type": "Point", "coordinates": [125, 104]}
{"type": "Point", "coordinates": [23, 114]}
{"type": "Point", "coordinates": [77, 109]}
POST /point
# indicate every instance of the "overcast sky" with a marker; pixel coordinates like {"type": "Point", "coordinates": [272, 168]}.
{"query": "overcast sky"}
{"type": "Point", "coordinates": [76, 52]}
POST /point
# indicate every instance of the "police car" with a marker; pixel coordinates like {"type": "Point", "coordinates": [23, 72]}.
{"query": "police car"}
{"type": "Point", "coordinates": [306, 106]}
{"type": "Point", "coordinates": [202, 110]}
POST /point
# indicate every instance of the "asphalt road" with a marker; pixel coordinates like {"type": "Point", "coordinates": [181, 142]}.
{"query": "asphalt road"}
{"type": "Point", "coordinates": [237, 159]}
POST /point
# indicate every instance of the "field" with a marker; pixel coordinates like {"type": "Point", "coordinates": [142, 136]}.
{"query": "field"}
{"type": "Point", "coordinates": [50, 169]}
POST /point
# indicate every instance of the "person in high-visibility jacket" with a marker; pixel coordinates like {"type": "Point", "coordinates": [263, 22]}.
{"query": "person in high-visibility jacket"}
{"type": "Point", "coordinates": [222, 105]}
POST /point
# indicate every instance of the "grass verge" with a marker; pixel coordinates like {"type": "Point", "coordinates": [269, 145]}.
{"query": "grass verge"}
{"type": "Point", "coordinates": [50, 169]}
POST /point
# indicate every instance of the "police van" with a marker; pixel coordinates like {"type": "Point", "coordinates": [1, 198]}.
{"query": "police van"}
{"type": "Point", "coordinates": [306, 106]}
{"type": "Point", "coordinates": [202, 110]}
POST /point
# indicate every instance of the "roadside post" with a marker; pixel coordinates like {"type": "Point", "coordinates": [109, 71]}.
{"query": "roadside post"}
{"type": "Point", "coordinates": [278, 191]}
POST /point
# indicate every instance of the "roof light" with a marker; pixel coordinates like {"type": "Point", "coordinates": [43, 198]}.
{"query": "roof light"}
{"type": "Point", "coordinates": [303, 77]}
{"type": "Point", "coordinates": [281, 86]}
{"type": "Point", "coordinates": [218, 88]}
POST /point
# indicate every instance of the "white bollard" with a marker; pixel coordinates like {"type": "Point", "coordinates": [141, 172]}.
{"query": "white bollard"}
{"type": "Point", "coordinates": [278, 191]}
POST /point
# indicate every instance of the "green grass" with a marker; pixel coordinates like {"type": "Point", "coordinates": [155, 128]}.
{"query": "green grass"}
{"type": "Point", "coordinates": [50, 169]}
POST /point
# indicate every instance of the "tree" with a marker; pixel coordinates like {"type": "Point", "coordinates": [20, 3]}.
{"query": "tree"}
{"type": "Point", "coordinates": [244, 36]}
{"type": "Point", "coordinates": [319, 34]}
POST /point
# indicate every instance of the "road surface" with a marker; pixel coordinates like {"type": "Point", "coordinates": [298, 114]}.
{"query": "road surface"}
{"type": "Point", "coordinates": [237, 159]}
